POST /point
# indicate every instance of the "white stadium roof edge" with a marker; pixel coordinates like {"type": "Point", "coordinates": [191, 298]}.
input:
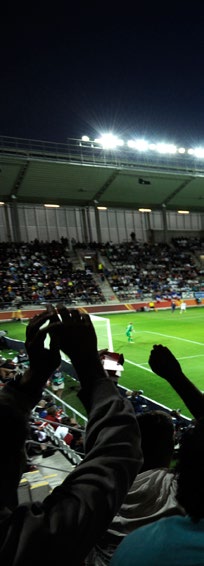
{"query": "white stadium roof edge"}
{"type": "Point", "coordinates": [84, 173]}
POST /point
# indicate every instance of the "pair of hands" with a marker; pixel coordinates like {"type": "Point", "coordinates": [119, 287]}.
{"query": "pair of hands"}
{"type": "Point", "coordinates": [164, 363]}
{"type": "Point", "coordinates": [70, 331]}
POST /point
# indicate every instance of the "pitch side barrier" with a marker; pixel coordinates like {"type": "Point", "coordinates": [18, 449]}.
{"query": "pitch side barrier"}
{"type": "Point", "coordinates": [142, 306]}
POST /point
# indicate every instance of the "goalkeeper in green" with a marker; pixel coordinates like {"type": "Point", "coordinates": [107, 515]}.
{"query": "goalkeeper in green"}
{"type": "Point", "coordinates": [129, 331]}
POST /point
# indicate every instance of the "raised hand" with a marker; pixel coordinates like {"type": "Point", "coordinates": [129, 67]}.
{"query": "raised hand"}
{"type": "Point", "coordinates": [43, 361]}
{"type": "Point", "coordinates": [78, 340]}
{"type": "Point", "coordinates": [164, 363]}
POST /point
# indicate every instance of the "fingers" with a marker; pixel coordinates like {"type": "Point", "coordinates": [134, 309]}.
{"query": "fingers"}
{"type": "Point", "coordinates": [72, 315]}
{"type": "Point", "coordinates": [34, 329]}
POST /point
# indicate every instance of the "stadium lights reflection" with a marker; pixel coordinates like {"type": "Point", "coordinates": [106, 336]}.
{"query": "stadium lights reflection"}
{"type": "Point", "coordinates": [183, 211]}
{"type": "Point", "coordinates": [145, 210]}
{"type": "Point", "coordinates": [110, 141]}
{"type": "Point", "coordinates": [52, 205]}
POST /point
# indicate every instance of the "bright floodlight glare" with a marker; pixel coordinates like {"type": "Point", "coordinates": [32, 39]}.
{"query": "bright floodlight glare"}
{"type": "Point", "coordinates": [166, 148]}
{"type": "Point", "coordinates": [102, 207]}
{"type": "Point", "coordinates": [145, 210]}
{"type": "Point", "coordinates": [183, 211]}
{"type": "Point", "coordinates": [181, 150]}
{"type": "Point", "coordinates": [190, 151]}
{"type": "Point", "coordinates": [152, 146]}
{"type": "Point", "coordinates": [85, 138]}
{"type": "Point", "coordinates": [199, 152]}
{"type": "Point", "coordinates": [109, 141]}
{"type": "Point", "coordinates": [140, 144]}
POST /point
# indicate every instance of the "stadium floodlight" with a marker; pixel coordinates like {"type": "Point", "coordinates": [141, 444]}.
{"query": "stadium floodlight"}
{"type": "Point", "coordinates": [166, 148]}
{"type": "Point", "coordinates": [152, 146]}
{"type": "Point", "coordinates": [145, 210]}
{"type": "Point", "coordinates": [102, 207]}
{"type": "Point", "coordinates": [52, 205]}
{"type": "Point", "coordinates": [139, 145]}
{"type": "Point", "coordinates": [199, 152]}
{"type": "Point", "coordinates": [181, 150]}
{"type": "Point", "coordinates": [85, 138]}
{"type": "Point", "coordinates": [183, 211]}
{"type": "Point", "coordinates": [109, 141]}
{"type": "Point", "coordinates": [2, 203]}
{"type": "Point", "coordinates": [190, 151]}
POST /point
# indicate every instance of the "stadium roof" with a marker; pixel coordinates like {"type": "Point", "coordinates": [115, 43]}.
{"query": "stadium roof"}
{"type": "Point", "coordinates": [84, 174]}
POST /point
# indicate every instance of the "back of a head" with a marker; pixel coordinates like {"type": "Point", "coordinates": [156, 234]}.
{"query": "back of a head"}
{"type": "Point", "coordinates": [190, 492]}
{"type": "Point", "coordinates": [157, 438]}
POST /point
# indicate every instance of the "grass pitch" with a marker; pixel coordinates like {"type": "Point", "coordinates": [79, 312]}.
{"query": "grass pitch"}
{"type": "Point", "coordinates": [183, 334]}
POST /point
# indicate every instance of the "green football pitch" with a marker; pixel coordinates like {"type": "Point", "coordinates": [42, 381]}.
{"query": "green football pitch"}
{"type": "Point", "coordinates": [182, 333]}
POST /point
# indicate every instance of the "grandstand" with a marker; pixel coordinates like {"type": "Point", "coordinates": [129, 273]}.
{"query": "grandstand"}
{"type": "Point", "coordinates": [68, 208]}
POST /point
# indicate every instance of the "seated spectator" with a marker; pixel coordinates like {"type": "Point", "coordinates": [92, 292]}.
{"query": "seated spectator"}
{"type": "Point", "coordinates": [41, 408]}
{"type": "Point", "coordinates": [52, 415]}
{"type": "Point", "coordinates": [22, 356]}
{"type": "Point", "coordinates": [63, 432]}
{"type": "Point", "coordinates": [136, 400]}
{"type": "Point", "coordinates": [57, 382]}
{"type": "Point", "coordinates": [71, 519]}
{"type": "Point", "coordinates": [153, 492]}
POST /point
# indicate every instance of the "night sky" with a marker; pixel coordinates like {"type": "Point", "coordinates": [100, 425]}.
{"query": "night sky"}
{"type": "Point", "coordinates": [136, 71]}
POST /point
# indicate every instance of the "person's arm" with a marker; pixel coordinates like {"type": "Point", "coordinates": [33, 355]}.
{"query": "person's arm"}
{"type": "Point", "coordinates": [164, 364]}
{"type": "Point", "coordinates": [72, 518]}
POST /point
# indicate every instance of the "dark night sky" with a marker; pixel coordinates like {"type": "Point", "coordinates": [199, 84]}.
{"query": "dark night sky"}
{"type": "Point", "coordinates": [135, 71]}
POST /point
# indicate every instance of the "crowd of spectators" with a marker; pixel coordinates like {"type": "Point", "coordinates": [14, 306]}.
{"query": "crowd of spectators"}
{"type": "Point", "coordinates": [40, 272]}
{"type": "Point", "coordinates": [142, 270]}
{"type": "Point", "coordinates": [160, 271]}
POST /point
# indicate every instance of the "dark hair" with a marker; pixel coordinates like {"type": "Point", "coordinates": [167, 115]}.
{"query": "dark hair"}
{"type": "Point", "coordinates": [190, 491]}
{"type": "Point", "coordinates": [157, 439]}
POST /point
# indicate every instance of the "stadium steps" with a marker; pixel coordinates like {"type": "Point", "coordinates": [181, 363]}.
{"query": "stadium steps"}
{"type": "Point", "coordinates": [35, 485]}
{"type": "Point", "coordinates": [106, 289]}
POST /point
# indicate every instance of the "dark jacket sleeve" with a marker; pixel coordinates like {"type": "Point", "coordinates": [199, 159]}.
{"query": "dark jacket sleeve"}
{"type": "Point", "coordinates": [70, 520]}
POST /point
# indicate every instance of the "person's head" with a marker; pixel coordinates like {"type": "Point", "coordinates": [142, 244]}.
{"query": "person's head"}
{"type": "Point", "coordinates": [157, 439]}
{"type": "Point", "coordinates": [51, 409]}
{"type": "Point", "coordinates": [190, 491]}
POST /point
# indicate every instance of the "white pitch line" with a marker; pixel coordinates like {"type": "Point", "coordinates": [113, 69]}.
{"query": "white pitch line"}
{"type": "Point", "coordinates": [174, 337]}
{"type": "Point", "coordinates": [147, 369]}
{"type": "Point", "coordinates": [138, 365]}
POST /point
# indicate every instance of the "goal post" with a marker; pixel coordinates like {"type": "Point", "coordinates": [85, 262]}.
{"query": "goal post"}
{"type": "Point", "coordinates": [103, 332]}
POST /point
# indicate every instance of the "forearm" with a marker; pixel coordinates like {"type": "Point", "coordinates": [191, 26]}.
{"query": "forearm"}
{"type": "Point", "coordinates": [97, 487]}
{"type": "Point", "coordinates": [189, 393]}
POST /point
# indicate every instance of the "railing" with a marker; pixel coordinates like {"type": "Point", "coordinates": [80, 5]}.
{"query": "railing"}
{"type": "Point", "coordinates": [67, 409]}
{"type": "Point", "coordinates": [91, 152]}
